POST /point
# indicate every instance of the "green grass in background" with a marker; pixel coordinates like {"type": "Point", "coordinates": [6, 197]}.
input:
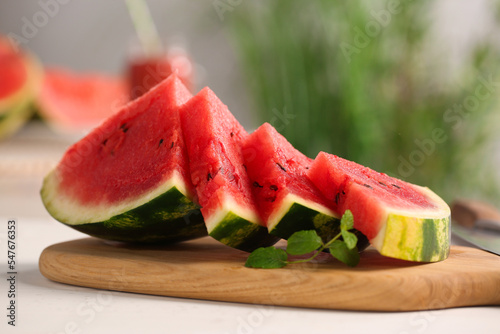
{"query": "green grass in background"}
{"type": "Point", "coordinates": [386, 100]}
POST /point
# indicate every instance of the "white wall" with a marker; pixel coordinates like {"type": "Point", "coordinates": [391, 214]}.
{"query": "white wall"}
{"type": "Point", "coordinates": [95, 35]}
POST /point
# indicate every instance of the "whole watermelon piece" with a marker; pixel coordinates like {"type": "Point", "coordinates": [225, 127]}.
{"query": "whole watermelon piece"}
{"type": "Point", "coordinates": [214, 140]}
{"type": "Point", "coordinates": [128, 179]}
{"type": "Point", "coordinates": [401, 220]}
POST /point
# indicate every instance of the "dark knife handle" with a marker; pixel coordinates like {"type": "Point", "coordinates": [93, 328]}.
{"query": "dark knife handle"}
{"type": "Point", "coordinates": [472, 213]}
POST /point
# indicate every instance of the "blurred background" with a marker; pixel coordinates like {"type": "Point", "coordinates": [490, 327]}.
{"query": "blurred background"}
{"type": "Point", "coordinates": [409, 88]}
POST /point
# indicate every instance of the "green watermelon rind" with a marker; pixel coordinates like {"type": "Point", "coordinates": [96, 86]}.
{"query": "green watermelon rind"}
{"type": "Point", "coordinates": [416, 236]}
{"type": "Point", "coordinates": [296, 214]}
{"type": "Point", "coordinates": [166, 214]}
{"type": "Point", "coordinates": [170, 217]}
{"type": "Point", "coordinates": [240, 233]}
{"type": "Point", "coordinates": [419, 239]}
{"type": "Point", "coordinates": [14, 118]}
{"type": "Point", "coordinates": [238, 227]}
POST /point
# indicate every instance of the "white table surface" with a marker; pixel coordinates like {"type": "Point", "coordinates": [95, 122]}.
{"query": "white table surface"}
{"type": "Point", "coordinates": [44, 306]}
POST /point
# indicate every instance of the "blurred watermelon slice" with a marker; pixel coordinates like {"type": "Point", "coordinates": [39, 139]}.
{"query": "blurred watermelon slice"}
{"type": "Point", "coordinates": [76, 102]}
{"type": "Point", "coordinates": [145, 72]}
{"type": "Point", "coordinates": [20, 75]}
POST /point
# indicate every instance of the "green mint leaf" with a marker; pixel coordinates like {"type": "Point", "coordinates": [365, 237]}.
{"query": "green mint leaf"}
{"type": "Point", "coordinates": [267, 258]}
{"type": "Point", "coordinates": [350, 239]}
{"type": "Point", "coordinates": [303, 242]}
{"type": "Point", "coordinates": [347, 221]}
{"type": "Point", "coordinates": [339, 250]}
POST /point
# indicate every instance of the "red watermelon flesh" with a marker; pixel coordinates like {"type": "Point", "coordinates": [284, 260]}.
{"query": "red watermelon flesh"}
{"type": "Point", "coordinates": [276, 170]}
{"type": "Point", "coordinates": [367, 193]}
{"type": "Point", "coordinates": [124, 167]}
{"type": "Point", "coordinates": [75, 102]}
{"type": "Point", "coordinates": [213, 138]}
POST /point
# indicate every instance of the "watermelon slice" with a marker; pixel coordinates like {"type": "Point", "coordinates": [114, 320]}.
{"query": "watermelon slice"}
{"type": "Point", "coordinates": [214, 139]}
{"type": "Point", "coordinates": [401, 220]}
{"type": "Point", "coordinates": [287, 200]}
{"type": "Point", "coordinates": [128, 179]}
{"type": "Point", "coordinates": [20, 76]}
{"type": "Point", "coordinates": [75, 102]}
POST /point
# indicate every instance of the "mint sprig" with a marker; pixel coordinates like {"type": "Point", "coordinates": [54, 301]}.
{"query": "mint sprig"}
{"type": "Point", "coordinates": [341, 252]}
{"type": "Point", "coordinates": [346, 224]}
{"type": "Point", "coordinates": [304, 242]}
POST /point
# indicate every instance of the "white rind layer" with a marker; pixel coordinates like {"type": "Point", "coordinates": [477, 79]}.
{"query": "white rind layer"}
{"type": "Point", "coordinates": [230, 205]}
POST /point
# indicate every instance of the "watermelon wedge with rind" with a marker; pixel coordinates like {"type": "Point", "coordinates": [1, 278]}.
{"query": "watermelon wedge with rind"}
{"type": "Point", "coordinates": [214, 139]}
{"type": "Point", "coordinates": [20, 74]}
{"type": "Point", "coordinates": [128, 179]}
{"type": "Point", "coordinates": [401, 220]}
{"type": "Point", "coordinates": [287, 200]}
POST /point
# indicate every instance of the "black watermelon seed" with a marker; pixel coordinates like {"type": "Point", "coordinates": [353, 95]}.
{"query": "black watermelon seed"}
{"type": "Point", "coordinates": [282, 168]}
{"type": "Point", "coordinates": [395, 185]}
{"type": "Point", "coordinates": [161, 142]}
{"type": "Point", "coordinates": [337, 198]}
{"type": "Point", "coordinates": [256, 184]}
{"type": "Point", "coordinates": [104, 142]}
{"type": "Point", "coordinates": [273, 187]}
{"type": "Point", "coordinates": [172, 145]}
{"type": "Point", "coordinates": [232, 134]}
{"type": "Point", "coordinates": [209, 177]}
{"type": "Point", "coordinates": [343, 192]}
{"type": "Point", "coordinates": [382, 183]}
{"type": "Point", "coordinates": [367, 185]}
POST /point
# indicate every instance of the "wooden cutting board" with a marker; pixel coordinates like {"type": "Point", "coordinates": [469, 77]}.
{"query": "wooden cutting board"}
{"type": "Point", "coordinates": [205, 269]}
